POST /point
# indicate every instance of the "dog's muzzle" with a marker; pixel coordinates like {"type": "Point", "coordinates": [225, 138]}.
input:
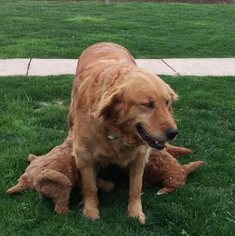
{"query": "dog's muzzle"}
{"type": "Point", "coordinates": [148, 138]}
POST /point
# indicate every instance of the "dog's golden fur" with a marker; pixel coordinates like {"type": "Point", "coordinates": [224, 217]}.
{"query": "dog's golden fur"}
{"type": "Point", "coordinates": [163, 168]}
{"type": "Point", "coordinates": [111, 95]}
{"type": "Point", "coordinates": [54, 175]}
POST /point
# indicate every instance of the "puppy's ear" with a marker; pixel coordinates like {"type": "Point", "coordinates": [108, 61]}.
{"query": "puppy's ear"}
{"type": "Point", "coordinates": [110, 105]}
{"type": "Point", "coordinates": [173, 95]}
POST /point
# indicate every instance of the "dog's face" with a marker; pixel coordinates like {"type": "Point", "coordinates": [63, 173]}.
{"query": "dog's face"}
{"type": "Point", "coordinates": [142, 106]}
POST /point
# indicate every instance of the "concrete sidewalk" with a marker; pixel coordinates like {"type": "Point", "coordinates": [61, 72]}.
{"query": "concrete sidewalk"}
{"type": "Point", "coordinates": [193, 67]}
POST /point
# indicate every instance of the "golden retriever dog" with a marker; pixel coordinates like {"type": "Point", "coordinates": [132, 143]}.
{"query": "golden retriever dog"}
{"type": "Point", "coordinates": [163, 168]}
{"type": "Point", "coordinates": [54, 175]}
{"type": "Point", "coordinates": [118, 113]}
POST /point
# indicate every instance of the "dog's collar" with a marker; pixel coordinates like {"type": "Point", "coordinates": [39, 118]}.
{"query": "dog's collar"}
{"type": "Point", "coordinates": [112, 136]}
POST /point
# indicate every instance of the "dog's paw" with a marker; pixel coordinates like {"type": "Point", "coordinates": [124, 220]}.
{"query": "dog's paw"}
{"type": "Point", "coordinates": [91, 213]}
{"type": "Point", "coordinates": [138, 215]}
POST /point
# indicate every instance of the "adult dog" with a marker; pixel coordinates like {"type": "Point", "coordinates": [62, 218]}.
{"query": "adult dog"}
{"type": "Point", "coordinates": [118, 111]}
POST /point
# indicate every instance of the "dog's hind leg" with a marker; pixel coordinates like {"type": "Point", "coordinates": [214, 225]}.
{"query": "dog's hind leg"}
{"type": "Point", "coordinates": [62, 201]}
{"type": "Point", "coordinates": [20, 187]}
{"type": "Point", "coordinates": [59, 193]}
{"type": "Point", "coordinates": [177, 151]}
{"type": "Point", "coordinates": [56, 185]}
{"type": "Point", "coordinates": [193, 166]}
{"type": "Point", "coordinates": [54, 176]}
{"type": "Point", "coordinates": [173, 182]}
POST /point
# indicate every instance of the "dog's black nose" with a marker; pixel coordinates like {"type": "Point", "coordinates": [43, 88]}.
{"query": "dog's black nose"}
{"type": "Point", "coordinates": [171, 133]}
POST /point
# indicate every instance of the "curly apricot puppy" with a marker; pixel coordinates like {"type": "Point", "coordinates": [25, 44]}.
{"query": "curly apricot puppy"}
{"type": "Point", "coordinates": [163, 168]}
{"type": "Point", "coordinates": [54, 175]}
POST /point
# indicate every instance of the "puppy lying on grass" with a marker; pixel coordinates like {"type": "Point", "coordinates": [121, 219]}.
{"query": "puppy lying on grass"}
{"type": "Point", "coordinates": [54, 175]}
{"type": "Point", "coordinates": [163, 168]}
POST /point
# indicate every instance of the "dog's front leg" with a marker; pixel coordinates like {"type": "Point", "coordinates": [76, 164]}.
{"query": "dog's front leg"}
{"type": "Point", "coordinates": [135, 186]}
{"type": "Point", "coordinates": [89, 188]}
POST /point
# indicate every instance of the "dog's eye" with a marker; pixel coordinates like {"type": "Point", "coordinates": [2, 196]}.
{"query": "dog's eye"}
{"type": "Point", "coordinates": [168, 104]}
{"type": "Point", "coordinates": [150, 105]}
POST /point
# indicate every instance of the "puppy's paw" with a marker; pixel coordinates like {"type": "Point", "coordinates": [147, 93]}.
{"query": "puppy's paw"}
{"type": "Point", "coordinates": [165, 191]}
{"type": "Point", "coordinates": [62, 210]}
{"type": "Point", "coordinates": [108, 186]}
{"type": "Point", "coordinates": [10, 190]}
{"type": "Point", "coordinates": [160, 193]}
{"type": "Point", "coordinates": [31, 157]}
{"type": "Point", "coordinates": [15, 189]}
{"type": "Point", "coordinates": [40, 195]}
{"type": "Point", "coordinates": [104, 185]}
{"type": "Point", "coordinates": [137, 214]}
{"type": "Point", "coordinates": [91, 213]}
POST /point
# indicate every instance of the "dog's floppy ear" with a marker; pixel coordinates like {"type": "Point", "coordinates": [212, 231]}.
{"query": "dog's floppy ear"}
{"type": "Point", "coordinates": [110, 105]}
{"type": "Point", "coordinates": [173, 95]}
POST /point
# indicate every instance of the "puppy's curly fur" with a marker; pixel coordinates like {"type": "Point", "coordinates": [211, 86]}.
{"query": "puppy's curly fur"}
{"type": "Point", "coordinates": [163, 168]}
{"type": "Point", "coordinates": [54, 175]}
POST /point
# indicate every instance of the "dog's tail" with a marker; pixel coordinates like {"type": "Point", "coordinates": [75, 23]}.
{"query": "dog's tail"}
{"type": "Point", "coordinates": [21, 186]}
{"type": "Point", "coordinates": [54, 176]}
{"type": "Point", "coordinates": [177, 151]}
{"type": "Point", "coordinates": [193, 166]}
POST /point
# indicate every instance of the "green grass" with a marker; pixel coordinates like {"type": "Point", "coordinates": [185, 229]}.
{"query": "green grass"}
{"type": "Point", "coordinates": [63, 29]}
{"type": "Point", "coordinates": [33, 118]}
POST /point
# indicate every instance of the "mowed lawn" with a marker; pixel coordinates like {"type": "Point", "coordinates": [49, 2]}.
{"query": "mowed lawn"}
{"type": "Point", "coordinates": [33, 118]}
{"type": "Point", "coordinates": [63, 29]}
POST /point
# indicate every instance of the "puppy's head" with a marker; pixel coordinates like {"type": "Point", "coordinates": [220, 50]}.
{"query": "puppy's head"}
{"type": "Point", "coordinates": [141, 106]}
